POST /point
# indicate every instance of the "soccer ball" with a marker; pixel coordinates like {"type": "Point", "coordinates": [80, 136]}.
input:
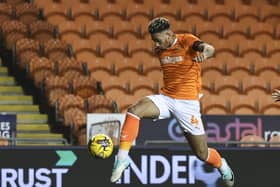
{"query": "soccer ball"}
{"type": "Point", "coordinates": [101, 146]}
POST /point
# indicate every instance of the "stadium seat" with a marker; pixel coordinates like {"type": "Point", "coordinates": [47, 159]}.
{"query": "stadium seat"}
{"type": "Point", "coordinates": [55, 87]}
{"type": "Point", "coordinates": [12, 31]}
{"type": "Point", "coordinates": [4, 142]}
{"type": "Point", "coordinates": [243, 104]}
{"type": "Point", "coordinates": [252, 141]}
{"type": "Point", "coordinates": [101, 104]}
{"type": "Point", "coordinates": [55, 13]}
{"type": "Point", "coordinates": [42, 31]}
{"type": "Point", "coordinates": [76, 118]}
{"type": "Point", "coordinates": [68, 106]}
{"type": "Point", "coordinates": [81, 14]}
{"type": "Point", "coordinates": [275, 141]}
{"type": "Point", "coordinates": [82, 137]}
{"type": "Point", "coordinates": [111, 37]}
{"type": "Point", "coordinates": [228, 85]}
{"type": "Point", "coordinates": [84, 86]}
{"type": "Point", "coordinates": [69, 32]}
{"type": "Point", "coordinates": [28, 13]}
{"type": "Point", "coordinates": [215, 104]}
{"type": "Point", "coordinates": [25, 50]}
{"type": "Point", "coordinates": [56, 49]}
{"type": "Point", "coordinates": [15, 2]}
{"type": "Point", "coordinates": [6, 12]}
{"type": "Point", "coordinates": [70, 68]}
{"type": "Point", "coordinates": [39, 69]}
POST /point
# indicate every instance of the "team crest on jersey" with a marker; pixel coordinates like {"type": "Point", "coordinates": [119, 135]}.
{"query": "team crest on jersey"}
{"type": "Point", "coordinates": [171, 59]}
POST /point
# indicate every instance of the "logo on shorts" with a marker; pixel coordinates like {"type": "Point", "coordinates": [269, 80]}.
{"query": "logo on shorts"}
{"type": "Point", "coordinates": [194, 121]}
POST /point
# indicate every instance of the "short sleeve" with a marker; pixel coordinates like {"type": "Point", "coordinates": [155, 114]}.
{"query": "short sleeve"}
{"type": "Point", "coordinates": [189, 39]}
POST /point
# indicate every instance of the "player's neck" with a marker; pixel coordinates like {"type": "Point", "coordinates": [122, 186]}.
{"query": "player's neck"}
{"type": "Point", "coordinates": [173, 43]}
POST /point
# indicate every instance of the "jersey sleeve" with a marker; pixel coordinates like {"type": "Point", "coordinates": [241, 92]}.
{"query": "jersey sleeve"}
{"type": "Point", "coordinates": [189, 40]}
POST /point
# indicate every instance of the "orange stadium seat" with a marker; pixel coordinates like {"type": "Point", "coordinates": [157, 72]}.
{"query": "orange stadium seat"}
{"type": "Point", "coordinates": [25, 50]}
{"type": "Point", "coordinates": [116, 83]}
{"type": "Point", "coordinates": [84, 86]}
{"type": "Point", "coordinates": [74, 118]}
{"type": "Point", "coordinates": [268, 106]}
{"type": "Point", "coordinates": [243, 104]}
{"type": "Point", "coordinates": [39, 69]}
{"type": "Point", "coordinates": [70, 68]}
{"type": "Point", "coordinates": [28, 13]}
{"type": "Point", "coordinates": [275, 141]}
{"type": "Point", "coordinates": [55, 87]}
{"type": "Point", "coordinates": [252, 141]}
{"type": "Point", "coordinates": [56, 13]}
{"type": "Point", "coordinates": [215, 104]}
{"type": "Point", "coordinates": [263, 31]}
{"type": "Point", "coordinates": [68, 106]}
{"type": "Point", "coordinates": [87, 51]}
{"type": "Point", "coordinates": [274, 84]}
{"type": "Point", "coordinates": [6, 11]}
{"type": "Point", "coordinates": [112, 46]}
{"type": "Point", "coordinates": [4, 142]}
{"type": "Point", "coordinates": [220, 13]}
{"type": "Point", "coordinates": [101, 104]}
{"type": "Point", "coordinates": [56, 49]}
{"type": "Point", "coordinates": [81, 14]}
{"type": "Point", "coordinates": [15, 2]}
{"type": "Point", "coordinates": [70, 32]}
{"type": "Point", "coordinates": [82, 137]}
{"type": "Point", "coordinates": [99, 31]}
{"type": "Point", "coordinates": [12, 31]}
{"type": "Point", "coordinates": [42, 31]}
{"type": "Point", "coordinates": [228, 85]}
{"type": "Point", "coordinates": [111, 37]}
{"type": "Point", "coordinates": [255, 85]}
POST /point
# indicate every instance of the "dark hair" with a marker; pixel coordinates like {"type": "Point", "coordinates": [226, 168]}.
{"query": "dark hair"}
{"type": "Point", "coordinates": [158, 24]}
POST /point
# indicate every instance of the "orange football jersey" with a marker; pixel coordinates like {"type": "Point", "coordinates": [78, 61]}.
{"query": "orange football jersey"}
{"type": "Point", "coordinates": [181, 76]}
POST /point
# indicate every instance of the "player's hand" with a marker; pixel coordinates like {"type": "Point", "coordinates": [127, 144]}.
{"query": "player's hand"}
{"type": "Point", "coordinates": [276, 95]}
{"type": "Point", "coordinates": [199, 58]}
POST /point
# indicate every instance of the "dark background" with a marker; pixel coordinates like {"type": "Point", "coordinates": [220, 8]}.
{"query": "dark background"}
{"type": "Point", "coordinates": [252, 167]}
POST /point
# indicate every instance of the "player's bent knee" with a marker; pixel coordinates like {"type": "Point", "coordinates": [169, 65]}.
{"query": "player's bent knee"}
{"type": "Point", "coordinates": [133, 110]}
{"type": "Point", "coordinates": [201, 154]}
{"type": "Point", "coordinates": [139, 108]}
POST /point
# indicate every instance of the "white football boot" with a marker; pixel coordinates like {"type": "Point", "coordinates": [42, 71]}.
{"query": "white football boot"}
{"type": "Point", "coordinates": [227, 174]}
{"type": "Point", "coordinates": [118, 168]}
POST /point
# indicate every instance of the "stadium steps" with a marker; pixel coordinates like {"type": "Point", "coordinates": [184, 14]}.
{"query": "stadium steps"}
{"type": "Point", "coordinates": [40, 135]}
{"type": "Point", "coordinates": [32, 118]}
{"type": "Point", "coordinates": [16, 99]}
{"type": "Point", "coordinates": [16, 109]}
{"type": "Point", "coordinates": [11, 90]}
{"type": "Point", "coordinates": [32, 126]}
{"type": "Point", "coordinates": [39, 139]}
{"type": "Point", "coordinates": [7, 81]}
{"type": "Point", "coordinates": [4, 71]}
{"type": "Point", "coordinates": [40, 144]}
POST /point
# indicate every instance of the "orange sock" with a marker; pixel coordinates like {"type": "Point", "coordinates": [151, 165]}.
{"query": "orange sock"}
{"type": "Point", "coordinates": [214, 158]}
{"type": "Point", "coordinates": [129, 131]}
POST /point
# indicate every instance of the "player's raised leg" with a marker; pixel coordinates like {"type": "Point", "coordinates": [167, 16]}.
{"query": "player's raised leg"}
{"type": "Point", "coordinates": [211, 156]}
{"type": "Point", "coordinates": [144, 108]}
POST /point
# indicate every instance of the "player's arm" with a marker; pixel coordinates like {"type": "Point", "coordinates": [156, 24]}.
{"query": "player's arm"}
{"type": "Point", "coordinates": [276, 95]}
{"type": "Point", "coordinates": [205, 51]}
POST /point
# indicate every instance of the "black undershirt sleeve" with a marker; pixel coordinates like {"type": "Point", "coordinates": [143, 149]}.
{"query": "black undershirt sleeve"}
{"type": "Point", "coordinates": [197, 46]}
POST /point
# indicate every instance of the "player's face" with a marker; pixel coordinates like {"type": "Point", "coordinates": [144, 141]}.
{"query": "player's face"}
{"type": "Point", "coordinates": [163, 39]}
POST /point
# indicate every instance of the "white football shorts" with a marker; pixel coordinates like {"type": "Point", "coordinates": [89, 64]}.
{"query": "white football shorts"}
{"type": "Point", "coordinates": [187, 112]}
